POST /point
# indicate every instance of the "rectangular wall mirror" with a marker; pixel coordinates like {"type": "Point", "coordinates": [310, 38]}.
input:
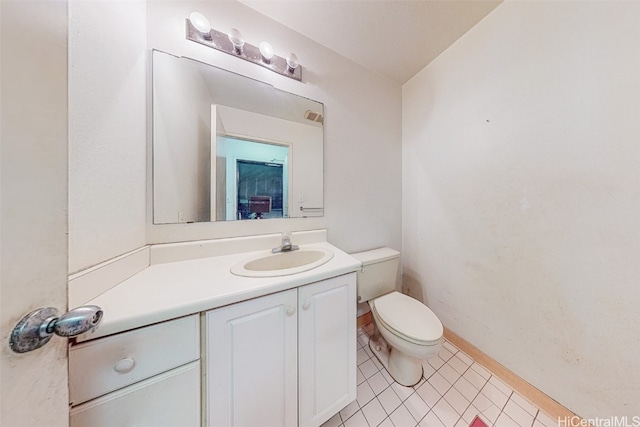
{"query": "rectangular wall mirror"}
{"type": "Point", "coordinates": [227, 147]}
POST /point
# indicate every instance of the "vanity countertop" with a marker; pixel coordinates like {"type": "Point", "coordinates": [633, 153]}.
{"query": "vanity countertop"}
{"type": "Point", "coordinates": [174, 289]}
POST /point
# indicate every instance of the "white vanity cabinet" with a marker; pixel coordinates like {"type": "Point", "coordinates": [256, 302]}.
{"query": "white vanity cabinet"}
{"type": "Point", "coordinates": [251, 370]}
{"type": "Point", "coordinates": [148, 377]}
{"type": "Point", "coordinates": [286, 359]}
{"type": "Point", "coordinates": [326, 348]}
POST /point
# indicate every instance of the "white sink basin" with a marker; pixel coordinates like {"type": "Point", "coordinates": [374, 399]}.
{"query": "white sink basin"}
{"type": "Point", "coordinates": [282, 263]}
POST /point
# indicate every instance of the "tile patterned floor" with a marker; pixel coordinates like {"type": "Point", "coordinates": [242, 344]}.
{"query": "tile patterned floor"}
{"type": "Point", "coordinates": [453, 391]}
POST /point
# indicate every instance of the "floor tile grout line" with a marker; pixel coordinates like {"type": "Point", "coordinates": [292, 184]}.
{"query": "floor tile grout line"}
{"type": "Point", "coordinates": [447, 391]}
{"type": "Point", "coordinates": [520, 406]}
{"type": "Point", "coordinates": [385, 411]}
{"type": "Point", "coordinates": [359, 409]}
{"type": "Point", "coordinates": [534, 418]}
{"type": "Point", "coordinates": [434, 412]}
{"type": "Point", "coordinates": [477, 393]}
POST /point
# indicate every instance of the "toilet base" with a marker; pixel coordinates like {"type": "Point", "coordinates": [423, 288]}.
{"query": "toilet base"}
{"type": "Point", "coordinates": [405, 370]}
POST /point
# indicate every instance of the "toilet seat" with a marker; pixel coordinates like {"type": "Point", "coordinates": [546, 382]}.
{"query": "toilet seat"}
{"type": "Point", "coordinates": [408, 318]}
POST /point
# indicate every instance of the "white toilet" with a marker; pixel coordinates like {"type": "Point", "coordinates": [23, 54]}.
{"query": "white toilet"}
{"type": "Point", "coordinates": [406, 331]}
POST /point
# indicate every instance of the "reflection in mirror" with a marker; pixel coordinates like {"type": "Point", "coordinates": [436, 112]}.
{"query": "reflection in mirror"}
{"type": "Point", "coordinates": [258, 170]}
{"type": "Point", "coordinates": [226, 147]}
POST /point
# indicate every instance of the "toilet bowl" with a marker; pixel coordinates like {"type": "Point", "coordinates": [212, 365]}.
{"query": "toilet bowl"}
{"type": "Point", "coordinates": [406, 331]}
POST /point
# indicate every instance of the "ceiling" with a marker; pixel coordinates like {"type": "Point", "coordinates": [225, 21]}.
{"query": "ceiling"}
{"type": "Point", "coordinates": [396, 38]}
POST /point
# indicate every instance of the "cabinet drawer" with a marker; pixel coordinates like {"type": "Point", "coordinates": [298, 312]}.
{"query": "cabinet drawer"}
{"type": "Point", "coordinates": [101, 366]}
{"type": "Point", "coordinates": [168, 400]}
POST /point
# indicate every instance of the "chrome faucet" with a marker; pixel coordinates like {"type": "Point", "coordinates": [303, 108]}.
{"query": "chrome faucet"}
{"type": "Point", "coordinates": [286, 245]}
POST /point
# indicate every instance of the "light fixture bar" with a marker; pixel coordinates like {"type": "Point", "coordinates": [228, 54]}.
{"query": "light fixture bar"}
{"type": "Point", "coordinates": [220, 41]}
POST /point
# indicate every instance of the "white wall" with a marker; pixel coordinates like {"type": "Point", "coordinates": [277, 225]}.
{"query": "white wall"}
{"type": "Point", "coordinates": [33, 214]}
{"type": "Point", "coordinates": [362, 126]}
{"type": "Point", "coordinates": [107, 129]}
{"type": "Point", "coordinates": [521, 196]}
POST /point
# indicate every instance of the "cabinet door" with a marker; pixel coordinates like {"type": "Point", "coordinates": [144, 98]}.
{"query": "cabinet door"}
{"type": "Point", "coordinates": [167, 400]}
{"type": "Point", "coordinates": [251, 359]}
{"type": "Point", "coordinates": [327, 348]}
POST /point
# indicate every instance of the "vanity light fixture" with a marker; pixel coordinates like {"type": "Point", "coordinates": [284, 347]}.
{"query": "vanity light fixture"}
{"type": "Point", "coordinates": [235, 37]}
{"type": "Point", "coordinates": [266, 50]}
{"type": "Point", "coordinates": [201, 23]}
{"type": "Point", "coordinates": [199, 30]}
{"type": "Point", "coordinates": [292, 62]}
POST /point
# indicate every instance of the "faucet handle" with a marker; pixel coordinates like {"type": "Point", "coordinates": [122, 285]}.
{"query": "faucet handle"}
{"type": "Point", "coordinates": [286, 237]}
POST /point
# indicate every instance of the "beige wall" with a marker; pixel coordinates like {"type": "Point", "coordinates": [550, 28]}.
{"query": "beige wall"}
{"type": "Point", "coordinates": [33, 215]}
{"type": "Point", "coordinates": [521, 196]}
{"type": "Point", "coordinates": [107, 129]}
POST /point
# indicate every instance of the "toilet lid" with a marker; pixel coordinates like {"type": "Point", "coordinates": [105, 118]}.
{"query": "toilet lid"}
{"type": "Point", "coordinates": [408, 317]}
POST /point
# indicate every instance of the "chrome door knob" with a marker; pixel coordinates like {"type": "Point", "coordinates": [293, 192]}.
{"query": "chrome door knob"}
{"type": "Point", "coordinates": [77, 321]}
{"type": "Point", "coordinates": [36, 328]}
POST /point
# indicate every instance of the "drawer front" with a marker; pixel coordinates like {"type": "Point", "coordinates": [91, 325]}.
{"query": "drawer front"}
{"type": "Point", "coordinates": [101, 366]}
{"type": "Point", "coordinates": [171, 399]}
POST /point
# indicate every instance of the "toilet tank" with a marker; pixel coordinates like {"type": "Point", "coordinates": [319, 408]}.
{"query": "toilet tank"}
{"type": "Point", "coordinates": [378, 273]}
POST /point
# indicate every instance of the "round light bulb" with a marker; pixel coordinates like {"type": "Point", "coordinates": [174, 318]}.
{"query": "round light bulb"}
{"type": "Point", "coordinates": [266, 50]}
{"type": "Point", "coordinates": [292, 62]}
{"type": "Point", "coordinates": [235, 37]}
{"type": "Point", "coordinates": [200, 22]}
